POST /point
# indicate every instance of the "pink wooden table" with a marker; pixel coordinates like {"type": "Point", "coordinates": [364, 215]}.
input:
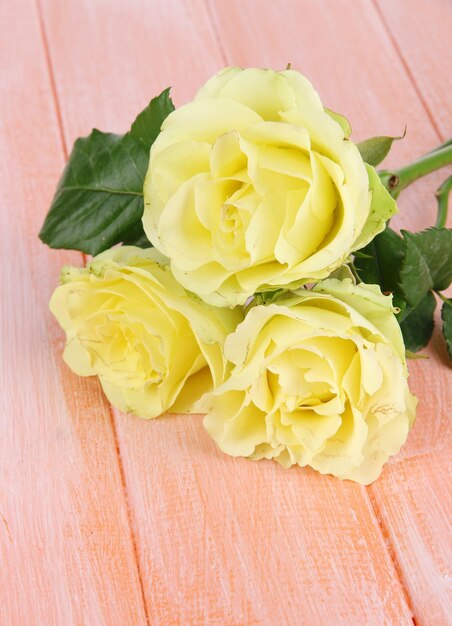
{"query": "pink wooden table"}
{"type": "Point", "coordinates": [110, 520]}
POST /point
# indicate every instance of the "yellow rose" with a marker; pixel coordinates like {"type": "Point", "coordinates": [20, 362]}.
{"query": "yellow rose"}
{"type": "Point", "coordinates": [255, 185]}
{"type": "Point", "coordinates": [319, 379]}
{"type": "Point", "coordinates": [129, 322]}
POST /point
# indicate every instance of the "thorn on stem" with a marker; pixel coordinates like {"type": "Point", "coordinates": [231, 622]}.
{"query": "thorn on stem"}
{"type": "Point", "coordinates": [393, 181]}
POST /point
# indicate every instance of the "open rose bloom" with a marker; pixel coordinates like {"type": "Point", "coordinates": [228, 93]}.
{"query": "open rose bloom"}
{"type": "Point", "coordinates": [255, 185]}
{"type": "Point", "coordinates": [252, 187]}
{"type": "Point", "coordinates": [153, 346]}
{"type": "Point", "coordinates": [319, 379]}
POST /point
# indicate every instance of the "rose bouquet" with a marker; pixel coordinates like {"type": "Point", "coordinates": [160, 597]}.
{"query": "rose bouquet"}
{"type": "Point", "coordinates": [257, 279]}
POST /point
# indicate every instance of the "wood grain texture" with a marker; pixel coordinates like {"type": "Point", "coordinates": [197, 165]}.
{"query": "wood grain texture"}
{"type": "Point", "coordinates": [375, 92]}
{"type": "Point", "coordinates": [418, 520]}
{"type": "Point", "coordinates": [67, 557]}
{"type": "Point", "coordinates": [111, 58]}
{"type": "Point", "coordinates": [219, 541]}
{"type": "Point", "coordinates": [227, 541]}
{"type": "Point", "coordinates": [421, 33]}
{"type": "Point", "coordinates": [196, 516]}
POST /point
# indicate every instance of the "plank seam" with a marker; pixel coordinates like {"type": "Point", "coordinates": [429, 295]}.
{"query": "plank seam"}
{"type": "Point", "coordinates": [407, 68]}
{"type": "Point", "coordinates": [386, 539]}
{"type": "Point", "coordinates": [133, 538]}
{"type": "Point", "coordinates": [371, 498]}
{"type": "Point", "coordinates": [59, 118]}
{"type": "Point", "coordinates": [51, 72]}
{"type": "Point", "coordinates": [216, 32]}
{"type": "Point", "coordinates": [384, 531]}
{"type": "Point", "coordinates": [374, 510]}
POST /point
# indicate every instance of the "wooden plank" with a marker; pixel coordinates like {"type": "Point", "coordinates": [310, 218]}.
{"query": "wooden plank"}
{"type": "Point", "coordinates": [290, 547]}
{"type": "Point", "coordinates": [419, 489]}
{"type": "Point", "coordinates": [414, 498]}
{"type": "Point", "coordinates": [363, 76]}
{"type": "Point", "coordinates": [227, 541]}
{"type": "Point", "coordinates": [66, 550]}
{"type": "Point", "coordinates": [421, 34]}
{"type": "Point", "coordinates": [344, 50]}
{"type": "Point", "coordinates": [211, 551]}
{"type": "Point", "coordinates": [110, 59]}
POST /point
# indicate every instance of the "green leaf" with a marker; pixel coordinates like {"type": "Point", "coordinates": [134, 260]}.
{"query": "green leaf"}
{"type": "Point", "coordinates": [341, 120]}
{"type": "Point", "coordinates": [446, 315]}
{"type": "Point", "coordinates": [410, 268]}
{"type": "Point", "coordinates": [99, 199]}
{"type": "Point", "coordinates": [375, 149]}
{"type": "Point", "coordinates": [266, 297]}
{"type": "Point", "coordinates": [417, 323]}
{"type": "Point", "coordinates": [427, 263]}
{"type": "Point", "coordinates": [343, 272]}
{"type": "Point", "coordinates": [136, 236]}
{"type": "Point", "coordinates": [362, 255]}
{"type": "Point", "coordinates": [382, 208]}
{"type": "Point", "coordinates": [147, 125]}
{"type": "Point", "coordinates": [382, 260]}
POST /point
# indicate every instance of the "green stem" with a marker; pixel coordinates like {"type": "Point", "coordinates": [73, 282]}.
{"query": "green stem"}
{"type": "Point", "coordinates": [448, 142]}
{"type": "Point", "coordinates": [397, 180]}
{"type": "Point", "coordinates": [414, 355]}
{"type": "Point", "coordinates": [442, 195]}
{"type": "Point", "coordinates": [443, 298]}
{"type": "Point", "coordinates": [354, 272]}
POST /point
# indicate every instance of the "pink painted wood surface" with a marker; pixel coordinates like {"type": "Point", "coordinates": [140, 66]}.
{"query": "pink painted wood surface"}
{"type": "Point", "coordinates": [165, 527]}
{"type": "Point", "coordinates": [421, 34]}
{"type": "Point", "coordinates": [376, 91]}
{"type": "Point", "coordinates": [196, 503]}
{"type": "Point", "coordinates": [67, 556]}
